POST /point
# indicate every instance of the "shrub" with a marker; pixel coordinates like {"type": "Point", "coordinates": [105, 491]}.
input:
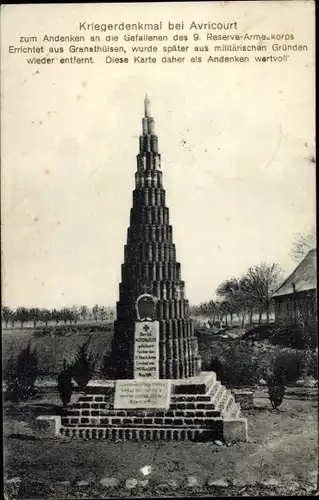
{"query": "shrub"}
{"type": "Point", "coordinates": [107, 368]}
{"type": "Point", "coordinates": [297, 336]}
{"type": "Point", "coordinates": [217, 366]}
{"type": "Point", "coordinates": [288, 366]}
{"type": "Point", "coordinates": [65, 386]}
{"type": "Point", "coordinates": [240, 369]}
{"type": "Point", "coordinates": [259, 332]}
{"type": "Point", "coordinates": [82, 369]}
{"type": "Point", "coordinates": [276, 391]}
{"type": "Point", "coordinates": [21, 374]}
{"type": "Point", "coordinates": [277, 375]}
{"type": "Point", "coordinates": [312, 366]}
{"type": "Point", "coordinates": [10, 377]}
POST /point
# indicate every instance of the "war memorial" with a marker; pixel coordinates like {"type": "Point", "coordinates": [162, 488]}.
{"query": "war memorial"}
{"type": "Point", "coordinates": [157, 390]}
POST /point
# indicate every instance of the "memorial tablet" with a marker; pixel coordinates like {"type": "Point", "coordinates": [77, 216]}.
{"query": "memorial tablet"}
{"type": "Point", "coordinates": [146, 350]}
{"type": "Point", "coordinates": [130, 394]}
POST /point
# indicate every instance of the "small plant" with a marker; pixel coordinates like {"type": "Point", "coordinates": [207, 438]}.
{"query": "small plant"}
{"type": "Point", "coordinates": [10, 377]}
{"type": "Point", "coordinates": [298, 335]}
{"type": "Point", "coordinates": [21, 374]}
{"type": "Point", "coordinates": [65, 386]}
{"type": "Point", "coordinates": [286, 369]}
{"type": "Point", "coordinates": [107, 369]}
{"type": "Point", "coordinates": [82, 368]}
{"type": "Point", "coordinates": [276, 391]}
{"type": "Point", "coordinates": [217, 367]}
{"type": "Point", "coordinates": [288, 366]}
{"type": "Point", "coordinates": [241, 369]}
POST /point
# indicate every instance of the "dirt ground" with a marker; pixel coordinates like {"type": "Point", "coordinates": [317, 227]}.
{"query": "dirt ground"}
{"type": "Point", "coordinates": [280, 458]}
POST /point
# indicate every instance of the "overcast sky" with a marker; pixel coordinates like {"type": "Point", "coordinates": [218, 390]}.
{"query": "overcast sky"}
{"type": "Point", "coordinates": [235, 143]}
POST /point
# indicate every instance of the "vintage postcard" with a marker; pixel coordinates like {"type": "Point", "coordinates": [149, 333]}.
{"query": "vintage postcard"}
{"type": "Point", "coordinates": [159, 281]}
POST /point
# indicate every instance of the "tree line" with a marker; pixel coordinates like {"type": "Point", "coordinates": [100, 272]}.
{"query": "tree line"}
{"type": "Point", "coordinates": [66, 315]}
{"type": "Point", "coordinates": [243, 296]}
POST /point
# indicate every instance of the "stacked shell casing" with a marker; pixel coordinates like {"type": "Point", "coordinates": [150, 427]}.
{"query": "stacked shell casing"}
{"type": "Point", "coordinates": [150, 266]}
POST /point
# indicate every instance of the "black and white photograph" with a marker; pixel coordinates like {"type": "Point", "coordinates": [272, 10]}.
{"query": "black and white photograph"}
{"type": "Point", "coordinates": [159, 265]}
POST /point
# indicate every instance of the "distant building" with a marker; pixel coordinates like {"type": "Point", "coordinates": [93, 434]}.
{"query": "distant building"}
{"type": "Point", "coordinates": [297, 296]}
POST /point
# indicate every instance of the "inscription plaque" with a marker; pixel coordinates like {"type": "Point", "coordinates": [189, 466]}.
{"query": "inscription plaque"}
{"type": "Point", "coordinates": [146, 350]}
{"type": "Point", "coordinates": [130, 394]}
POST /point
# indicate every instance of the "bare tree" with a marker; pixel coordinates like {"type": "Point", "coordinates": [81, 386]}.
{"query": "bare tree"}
{"type": "Point", "coordinates": [22, 315]}
{"type": "Point", "coordinates": [259, 284]}
{"type": "Point", "coordinates": [7, 315]}
{"type": "Point", "coordinates": [103, 314]}
{"type": "Point", "coordinates": [232, 291]}
{"type": "Point", "coordinates": [65, 314]}
{"type": "Point", "coordinates": [226, 309]}
{"type": "Point", "coordinates": [95, 311]}
{"type": "Point", "coordinates": [303, 244]}
{"type": "Point", "coordinates": [35, 315]}
{"type": "Point", "coordinates": [56, 316]}
{"type": "Point", "coordinates": [45, 316]}
{"type": "Point", "coordinates": [84, 311]}
{"type": "Point", "coordinates": [208, 309]}
{"type": "Point", "coordinates": [212, 310]}
{"type": "Point", "coordinates": [74, 314]}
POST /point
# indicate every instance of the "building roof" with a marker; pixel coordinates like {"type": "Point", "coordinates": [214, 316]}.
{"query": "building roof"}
{"type": "Point", "coordinates": [304, 277]}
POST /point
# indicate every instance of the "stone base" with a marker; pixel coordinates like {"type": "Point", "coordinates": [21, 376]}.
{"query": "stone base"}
{"type": "Point", "coordinates": [47, 426]}
{"type": "Point", "coordinates": [235, 430]}
{"type": "Point", "coordinates": [244, 398]}
{"type": "Point", "coordinates": [200, 409]}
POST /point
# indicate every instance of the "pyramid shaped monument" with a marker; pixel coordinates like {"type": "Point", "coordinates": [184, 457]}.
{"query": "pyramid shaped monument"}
{"type": "Point", "coordinates": [156, 389]}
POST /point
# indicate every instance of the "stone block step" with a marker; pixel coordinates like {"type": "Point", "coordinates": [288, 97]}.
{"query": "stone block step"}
{"type": "Point", "coordinates": [88, 412]}
{"type": "Point", "coordinates": [202, 405]}
{"type": "Point", "coordinates": [229, 407]}
{"type": "Point", "coordinates": [93, 398]}
{"type": "Point", "coordinates": [223, 400]}
{"type": "Point", "coordinates": [192, 406]}
{"type": "Point", "coordinates": [217, 399]}
{"type": "Point", "coordinates": [139, 421]}
{"type": "Point", "coordinates": [235, 411]}
{"type": "Point", "coordinates": [219, 396]}
{"type": "Point", "coordinates": [176, 404]}
{"type": "Point", "coordinates": [207, 384]}
{"type": "Point", "coordinates": [90, 405]}
{"type": "Point", "coordinates": [214, 389]}
{"type": "Point", "coordinates": [200, 384]}
{"type": "Point", "coordinates": [147, 434]}
{"type": "Point", "coordinates": [191, 398]}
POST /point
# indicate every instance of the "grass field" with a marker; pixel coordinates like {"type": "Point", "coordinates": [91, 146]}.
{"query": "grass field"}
{"type": "Point", "coordinates": [55, 345]}
{"type": "Point", "coordinates": [280, 457]}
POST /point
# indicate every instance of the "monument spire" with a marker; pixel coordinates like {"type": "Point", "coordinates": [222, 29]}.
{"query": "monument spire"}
{"type": "Point", "coordinates": [148, 121]}
{"type": "Point", "coordinates": [147, 107]}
